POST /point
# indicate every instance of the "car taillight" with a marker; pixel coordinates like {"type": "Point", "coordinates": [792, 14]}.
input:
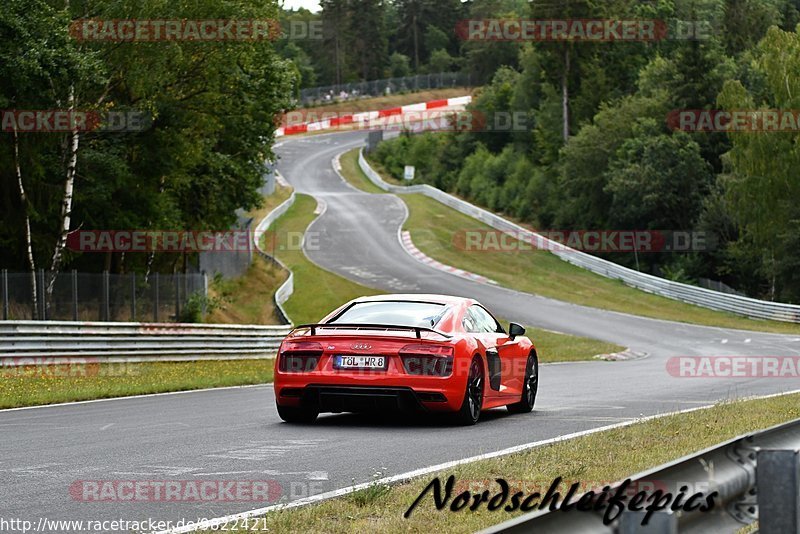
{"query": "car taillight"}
{"type": "Point", "coordinates": [299, 356]}
{"type": "Point", "coordinates": [427, 360]}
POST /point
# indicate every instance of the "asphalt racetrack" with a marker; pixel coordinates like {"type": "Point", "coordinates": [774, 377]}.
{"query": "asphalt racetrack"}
{"type": "Point", "coordinates": [236, 433]}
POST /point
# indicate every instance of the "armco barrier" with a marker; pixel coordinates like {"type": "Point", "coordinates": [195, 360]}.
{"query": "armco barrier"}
{"type": "Point", "coordinates": [756, 477]}
{"type": "Point", "coordinates": [49, 342]}
{"type": "Point", "coordinates": [707, 298]}
{"type": "Point", "coordinates": [287, 288]}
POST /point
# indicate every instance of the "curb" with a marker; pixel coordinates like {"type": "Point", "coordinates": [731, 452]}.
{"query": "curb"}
{"type": "Point", "coordinates": [414, 252]}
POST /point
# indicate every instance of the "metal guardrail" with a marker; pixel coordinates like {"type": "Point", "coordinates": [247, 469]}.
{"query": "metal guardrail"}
{"type": "Point", "coordinates": [756, 475]}
{"type": "Point", "coordinates": [287, 288]}
{"type": "Point", "coordinates": [706, 298]}
{"type": "Point", "coordinates": [52, 341]}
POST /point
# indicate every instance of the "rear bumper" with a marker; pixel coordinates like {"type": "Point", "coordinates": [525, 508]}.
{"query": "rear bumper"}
{"type": "Point", "coordinates": [327, 398]}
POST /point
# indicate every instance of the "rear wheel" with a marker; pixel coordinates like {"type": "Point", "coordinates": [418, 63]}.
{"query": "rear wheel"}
{"type": "Point", "coordinates": [470, 410]}
{"type": "Point", "coordinates": [297, 414]}
{"type": "Point", "coordinates": [530, 387]}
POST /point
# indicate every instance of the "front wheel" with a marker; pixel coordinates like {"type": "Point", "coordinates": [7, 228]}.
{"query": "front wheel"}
{"type": "Point", "coordinates": [530, 388]}
{"type": "Point", "coordinates": [297, 414]}
{"type": "Point", "coordinates": [471, 407]}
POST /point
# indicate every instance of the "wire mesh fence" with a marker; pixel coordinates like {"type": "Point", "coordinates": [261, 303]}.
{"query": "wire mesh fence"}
{"type": "Point", "coordinates": [74, 296]}
{"type": "Point", "coordinates": [388, 86]}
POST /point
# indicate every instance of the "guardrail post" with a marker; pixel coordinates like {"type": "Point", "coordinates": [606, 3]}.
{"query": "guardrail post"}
{"type": "Point", "coordinates": [5, 295]}
{"type": "Point", "coordinates": [778, 483]}
{"type": "Point", "coordinates": [133, 297]}
{"type": "Point", "coordinates": [660, 523]}
{"type": "Point", "coordinates": [155, 297]}
{"type": "Point", "coordinates": [74, 295]}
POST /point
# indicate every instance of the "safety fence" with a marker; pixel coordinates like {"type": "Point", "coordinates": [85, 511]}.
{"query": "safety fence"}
{"type": "Point", "coordinates": [388, 86]}
{"type": "Point", "coordinates": [102, 296]}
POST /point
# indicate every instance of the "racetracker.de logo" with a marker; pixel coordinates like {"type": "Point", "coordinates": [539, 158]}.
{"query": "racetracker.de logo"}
{"type": "Point", "coordinates": [175, 490]}
{"type": "Point", "coordinates": [63, 120]}
{"type": "Point", "coordinates": [152, 30]}
{"type": "Point", "coordinates": [481, 240]}
{"type": "Point", "coordinates": [735, 121]}
{"type": "Point", "coordinates": [734, 366]}
{"type": "Point", "coordinates": [580, 30]}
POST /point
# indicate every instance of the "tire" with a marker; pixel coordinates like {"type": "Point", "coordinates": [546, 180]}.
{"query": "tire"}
{"type": "Point", "coordinates": [531, 387]}
{"type": "Point", "coordinates": [297, 414]}
{"type": "Point", "coordinates": [471, 406]}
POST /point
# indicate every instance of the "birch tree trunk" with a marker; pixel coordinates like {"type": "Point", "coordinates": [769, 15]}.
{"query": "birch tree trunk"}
{"type": "Point", "coordinates": [28, 239]}
{"type": "Point", "coordinates": [66, 204]}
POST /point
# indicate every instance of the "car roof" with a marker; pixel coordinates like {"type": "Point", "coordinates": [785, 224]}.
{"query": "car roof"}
{"type": "Point", "coordinates": [417, 297]}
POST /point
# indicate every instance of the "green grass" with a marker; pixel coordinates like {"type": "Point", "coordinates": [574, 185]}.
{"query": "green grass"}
{"type": "Point", "coordinates": [435, 230]}
{"type": "Point", "coordinates": [589, 459]}
{"type": "Point", "coordinates": [31, 386]}
{"type": "Point", "coordinates": [316, 291]}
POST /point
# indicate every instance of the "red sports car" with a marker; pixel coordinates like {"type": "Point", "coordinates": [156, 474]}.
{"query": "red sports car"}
{"type": "Point", "coordinates": [426, 352]}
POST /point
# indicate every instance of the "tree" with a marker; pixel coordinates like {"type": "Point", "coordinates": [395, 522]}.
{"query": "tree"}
{"type": "Point", "coordinates": [399, 65]}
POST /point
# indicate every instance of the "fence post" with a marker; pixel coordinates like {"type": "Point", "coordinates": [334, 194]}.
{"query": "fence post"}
{"type": "Point", "coordinates": [5, 295]}
{"type": "Point", "coordinates": [778, 484]}
{"type": "Point", "coordinates": [133, 297]}
{"type": "Point", "coordinates": [205, 294]}
{"type": "Point", "coordinates": [42, 297]}
{"type": "Point", "coordinates": [104, 306]}
{"type": "Point", "coordinates": [155, 297]}
{"type": "Point", "coordinates": [74, 295]}
{"type": "Point", "coordinates": [177, 296]}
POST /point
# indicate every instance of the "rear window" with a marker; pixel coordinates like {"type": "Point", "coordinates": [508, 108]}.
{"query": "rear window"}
{"type": "Point", "coordinates": [423, 314]}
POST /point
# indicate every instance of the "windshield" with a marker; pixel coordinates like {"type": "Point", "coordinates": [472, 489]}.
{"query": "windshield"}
{"type": "Point", "coordinates": [423, 314]}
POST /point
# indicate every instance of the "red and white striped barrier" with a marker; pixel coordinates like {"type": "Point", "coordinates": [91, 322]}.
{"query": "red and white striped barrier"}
{"type": "Point", "coordinates": [366, 117]}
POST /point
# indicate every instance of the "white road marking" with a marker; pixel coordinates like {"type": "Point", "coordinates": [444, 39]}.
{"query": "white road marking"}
{"type": "Point", "coordinates": [109, 425]}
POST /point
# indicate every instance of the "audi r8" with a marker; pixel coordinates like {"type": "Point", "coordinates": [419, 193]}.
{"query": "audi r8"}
{"type": "Point", "coordinates": [430, 353]}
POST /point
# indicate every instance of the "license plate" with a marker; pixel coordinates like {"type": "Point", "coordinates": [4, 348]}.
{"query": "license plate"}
{"type": "Point", "coordinates": [360, 362]}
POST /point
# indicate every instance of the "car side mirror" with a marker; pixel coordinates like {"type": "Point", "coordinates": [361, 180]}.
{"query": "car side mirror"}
{"type": "Point", "coordinates": [515, 330]}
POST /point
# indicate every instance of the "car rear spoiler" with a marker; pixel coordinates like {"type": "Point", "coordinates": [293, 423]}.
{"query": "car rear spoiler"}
{"type": "Point", "coordinates": [358, 326]}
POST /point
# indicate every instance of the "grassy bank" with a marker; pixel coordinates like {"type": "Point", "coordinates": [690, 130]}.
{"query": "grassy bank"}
{"type": "Point", "coordinates": [591, 459]}
{"type": "Point", "coordinates": [31, 386]}
{"type": "Point", "coordinates": [435, 230]}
